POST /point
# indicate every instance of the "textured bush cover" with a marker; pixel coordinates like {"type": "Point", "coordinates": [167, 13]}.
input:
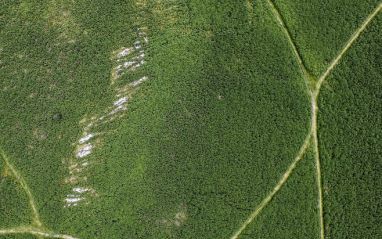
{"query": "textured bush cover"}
{"type": "Point", "coordinates": [190, 119]}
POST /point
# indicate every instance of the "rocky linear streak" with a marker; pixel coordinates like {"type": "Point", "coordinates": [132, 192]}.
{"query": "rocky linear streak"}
{"type": "Point", "coordinates": [126, 60]}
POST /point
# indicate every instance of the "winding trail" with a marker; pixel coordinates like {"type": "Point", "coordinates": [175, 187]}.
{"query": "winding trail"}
{"type": "Point", "coordinates": [35, 214]}
{"type": "Point", "coordinates": [312, 138]}
{"type": "Point", "coordinates": [37, 228]}
{"type": "Point", "coordinates": [348, 44]}
{"type": "Point", "coordinates": [274, 191]}
{"type": "Point", "coordinates": [291, 42]}
{"type": "Point", "coordinates": [318, 165]}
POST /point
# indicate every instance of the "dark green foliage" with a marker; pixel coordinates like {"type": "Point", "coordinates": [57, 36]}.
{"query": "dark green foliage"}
{"type": "Point", "coordinates": [208, 153]}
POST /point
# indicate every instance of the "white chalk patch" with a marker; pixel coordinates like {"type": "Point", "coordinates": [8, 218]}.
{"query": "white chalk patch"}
{"type": "Point", "coordinates": [84, 151]}
{"type": "Point", "coordinates": [138, 82]}
{"type": "Point", "coordinates": [125, 52]}
{"type": "Point", "coordinates": [125, 60]}
{"type": "Point", "coordinates": [85, 138]}
{"type": "Point", "coordinates": [118, 109]}
{"type": "Point", "coordinates": [81, 190]}
{"type": "Point", "coordinates": [73, 199]}
{"type": "Point", "coordinates": [128, 64]}
{"type": "Point", "coordinates": [121, 101]}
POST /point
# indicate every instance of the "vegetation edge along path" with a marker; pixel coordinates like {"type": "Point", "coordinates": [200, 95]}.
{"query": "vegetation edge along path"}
{"type": "Point", "coordinates": [35, 214]}
{"type": "Point", "coordinates": [35, 231]}
{"type": "Point", "coordinates": [38, 228]}
{"type": "Point", "coordinates": [314, 93]}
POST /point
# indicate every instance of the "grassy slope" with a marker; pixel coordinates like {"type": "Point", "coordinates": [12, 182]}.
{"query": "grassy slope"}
{"type": "Point", "coordinates": [210, 134]}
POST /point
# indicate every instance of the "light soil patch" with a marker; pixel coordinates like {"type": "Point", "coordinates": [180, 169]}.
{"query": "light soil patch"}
{"type": "Point", "coordinates": [59, 16]}
{"type": "Point", "coordinates": [250, 10]}
{"type": "Point", "coordinates": [40, 134]}
{"type": "Point", "coordinates": [177, 220]}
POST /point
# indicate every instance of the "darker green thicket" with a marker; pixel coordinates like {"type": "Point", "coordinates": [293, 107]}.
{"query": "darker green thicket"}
{"type": "Point", "coordinates": [221, 141]}
{"type": "Point", "coordinates": [350, 139]}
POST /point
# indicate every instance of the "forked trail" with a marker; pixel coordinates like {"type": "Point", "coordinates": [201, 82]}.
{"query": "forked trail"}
{"type": "Point", "coordinates": [311, 140]}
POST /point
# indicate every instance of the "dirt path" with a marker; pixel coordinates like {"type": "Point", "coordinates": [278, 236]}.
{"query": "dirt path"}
{"type": "Point", "coordinates": [312, 138]}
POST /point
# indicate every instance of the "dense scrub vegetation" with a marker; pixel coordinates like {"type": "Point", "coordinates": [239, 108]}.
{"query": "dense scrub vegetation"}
{"type": "Point", "coordinates": [293, 210]}
{"type": "Point", "coordinates": [320, 28]}
{"type": "Point", "coordinates": [208, 136]}
{"type": "Point", "coordinates": [351, 141]}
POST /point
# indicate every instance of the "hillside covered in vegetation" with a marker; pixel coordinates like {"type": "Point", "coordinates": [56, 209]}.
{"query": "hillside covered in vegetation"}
{"type": "Point", "coordinates": [190, 119]}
